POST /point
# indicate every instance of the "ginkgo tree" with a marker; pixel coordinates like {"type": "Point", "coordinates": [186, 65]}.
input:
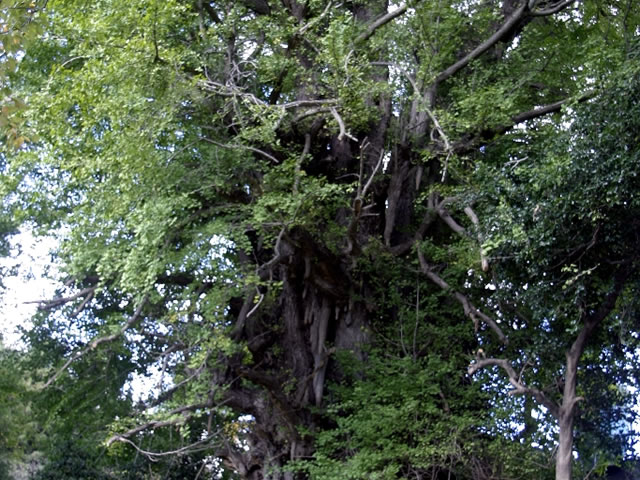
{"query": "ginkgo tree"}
{"type": "Point", "coordinates": [266, 201]}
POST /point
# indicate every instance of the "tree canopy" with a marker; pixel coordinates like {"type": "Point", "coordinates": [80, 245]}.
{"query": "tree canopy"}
{"type": "Point", "coordinates": [358, 239]}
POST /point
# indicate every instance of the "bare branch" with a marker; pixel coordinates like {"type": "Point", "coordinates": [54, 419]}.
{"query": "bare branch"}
{"type": "Point", "coordinates": [73, 59]}
{"type": "Point", "coordinates": [358, 202]}
{"type": "Point", "coordinates": [154, 455]}
{"type": "Point", "coordinates": [234, 91]}
{"type": "Point", "coordinates": [305, 152]}
{"type": "Point", "coordinates": [309, 113]}
{"type": "Point", "coordinates": [241, 147]}
{"type": "Point", "coordinates": [371, 29]}
{"type": "Point", "coordinates": [471, 311]}
{"type": "Point", "coordinates": [445, 139]}
{"type": "Point", "coordinates": [255, 307]}
{"type": "Point", "coordinates": [484, 46]}
{"type": "Point", "coordinates": [302, 30]}
{"type": "Point", "coordinates": [552, 10]}
{"type": "Point", "coordinates": [169, 393]}
{"type": "Point", "coordinates": [550, 108]}
{"type": "Point", "coordinates": [56, 302]}
{"type": "Point", "coordinates": [306, 103]}
{"type": "Point", "coordinates": [373, 174]}
{"type": "Point", "coordinates": [474, 219]}
{"type": "Point", "coordinates": [160, 423]}
{"type": "Point", "coordinates": [84, 303]}
{"type": "Point", "coordinates": [471, 141]}
{"type": "Point", "coordinates": [98, 341]}
{"type": "Point", "coordinates": [343, 130]}
{"type": "Point", "coordinates": [444, 214]}
{"type": "Point", "coordinates": [514, 379]}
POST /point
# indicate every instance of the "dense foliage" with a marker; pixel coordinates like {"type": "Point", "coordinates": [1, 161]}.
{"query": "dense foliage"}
{"type": "Point", "coordinates": [361, 239]}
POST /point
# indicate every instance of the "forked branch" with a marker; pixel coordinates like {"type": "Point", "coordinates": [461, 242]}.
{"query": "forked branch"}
{"type": "Point", "coordinates": [519, 388]}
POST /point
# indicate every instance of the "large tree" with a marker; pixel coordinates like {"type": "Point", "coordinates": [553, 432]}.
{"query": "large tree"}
{"type": "Point", "coordinates": [244, 191]}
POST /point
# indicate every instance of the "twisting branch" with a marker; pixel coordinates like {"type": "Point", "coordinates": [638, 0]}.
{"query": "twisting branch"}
{"type": "Point", "coordinates": [444, 214]}
{"type": "Point", "coordinates": [471, 311]}
{"type": "Point", "coordinates": [371, 29]}
{"type": "Point", "coordinates": [343, 129]}
{"type": "Point", "coordinates": [515, 380]}
{"type": "Point", "coordinates": [98, 341]}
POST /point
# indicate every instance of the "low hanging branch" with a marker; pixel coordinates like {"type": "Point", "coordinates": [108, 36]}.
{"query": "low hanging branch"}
{"type": "Point", "coordinates": [98, 341]}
